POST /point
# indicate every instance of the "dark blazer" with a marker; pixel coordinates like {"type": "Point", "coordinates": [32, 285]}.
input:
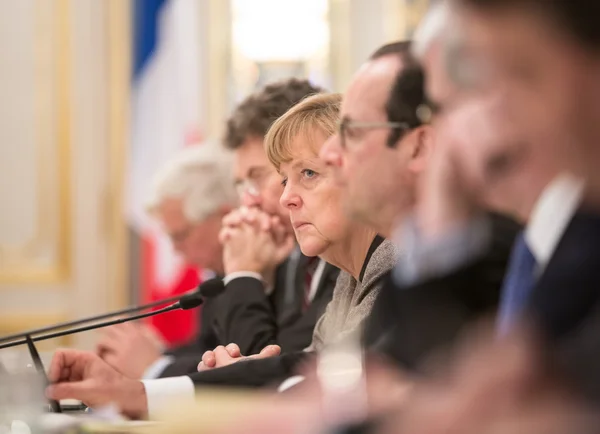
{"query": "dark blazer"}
{"type": "Point", "coordinates": [409, 323]}
{"type": "Point", "coordinates": [187, 357]}
{"type": "Point", "coordinates": [247, 316]}
{"type": "Point", "coordinates": [565, 304]}
{"type": "Point", "coordinates": [244, 314]}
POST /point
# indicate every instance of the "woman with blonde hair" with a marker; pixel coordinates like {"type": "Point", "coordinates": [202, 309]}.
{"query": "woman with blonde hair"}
{"type": "Point", "coordinates": [322, 228]}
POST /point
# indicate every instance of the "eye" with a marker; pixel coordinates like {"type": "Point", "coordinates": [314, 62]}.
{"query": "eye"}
{"type": "Point", "coordinates": [309, 173]}
{"type": "Point", "coordinates": [284, 181]}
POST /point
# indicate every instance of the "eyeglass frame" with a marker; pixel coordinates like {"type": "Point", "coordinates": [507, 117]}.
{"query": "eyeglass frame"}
{"type": "Point", "coordinates": [247, 186]}
{"type": "Point", "coordinates": [343, 124]}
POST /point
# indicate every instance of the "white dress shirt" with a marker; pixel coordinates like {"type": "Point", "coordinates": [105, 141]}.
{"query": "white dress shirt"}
{"type": "Point", "coordinates": [550, 217]}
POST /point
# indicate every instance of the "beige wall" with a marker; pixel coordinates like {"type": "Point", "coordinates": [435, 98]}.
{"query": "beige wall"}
{"type": "Point", "coordinates": [64, 87]}
{"type": "Point", "coordinates": [62, 141]}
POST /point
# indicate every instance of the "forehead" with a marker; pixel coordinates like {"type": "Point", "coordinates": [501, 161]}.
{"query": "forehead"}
{"type": "Point", "coordinates": [249, 155]}
{"type": "Point", "coordinates": [369, 91]}
{"type": "Point", "coordinates": [170, 212]}
{"type": "Point", "coordinates": [530, 32]}
{"type": "Point", "coordinates": [305, 147]}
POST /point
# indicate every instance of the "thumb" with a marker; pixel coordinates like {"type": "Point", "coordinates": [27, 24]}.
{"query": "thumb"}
{"type": "Point", "coordinates": [270, 351]}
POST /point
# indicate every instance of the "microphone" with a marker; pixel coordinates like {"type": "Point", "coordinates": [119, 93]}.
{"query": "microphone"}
{"type": "Point", "coordinates": [188, 301]}
{"type": "Point", "coordinates": [207, 289]}
{"type": "Point", "coordinates": [211, 287]}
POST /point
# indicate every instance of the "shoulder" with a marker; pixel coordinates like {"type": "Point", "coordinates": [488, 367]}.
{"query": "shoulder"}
{"type": "Point", "coordinates": [383, 259]}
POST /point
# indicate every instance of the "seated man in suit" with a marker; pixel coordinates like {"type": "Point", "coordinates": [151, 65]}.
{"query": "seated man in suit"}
{"type": "Point", "coordinates": [191, 195]}
{"type": "Point", "coordinates": [553, 278]}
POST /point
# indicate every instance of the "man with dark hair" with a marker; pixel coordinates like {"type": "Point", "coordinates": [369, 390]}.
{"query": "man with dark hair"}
{"type": "Point", "coordinates": [525, 70]}
{"type": "Point", "coordinates": [253, 116]}
{"type": "Point", "coordinates": [381, 132]}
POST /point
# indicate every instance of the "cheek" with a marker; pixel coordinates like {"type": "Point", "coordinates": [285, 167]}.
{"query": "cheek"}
{"type": "Point", "coordinates": [330, 219]}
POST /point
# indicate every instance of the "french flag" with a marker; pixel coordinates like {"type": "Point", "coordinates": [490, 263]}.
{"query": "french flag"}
{"type": "Point", "coordinates": [165, 118]}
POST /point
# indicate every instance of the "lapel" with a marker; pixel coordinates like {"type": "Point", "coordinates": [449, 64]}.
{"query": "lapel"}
{"type": "Point", "coordinates": [569, 288]}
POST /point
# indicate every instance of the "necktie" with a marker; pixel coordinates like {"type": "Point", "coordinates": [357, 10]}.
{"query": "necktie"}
{"type": "Point", "coordinates": [518, 284]}
{"type": "Point", "coordinates": [311, 268]}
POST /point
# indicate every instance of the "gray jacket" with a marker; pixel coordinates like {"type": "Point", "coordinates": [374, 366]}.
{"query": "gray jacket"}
{"type": "Point", "coordinates": [353, 299]}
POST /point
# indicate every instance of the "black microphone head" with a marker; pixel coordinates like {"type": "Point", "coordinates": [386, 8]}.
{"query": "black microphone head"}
{"type": "Point", "coordinates": [212, 287]}
{"type": "Point", "coordinates": [190, 301]}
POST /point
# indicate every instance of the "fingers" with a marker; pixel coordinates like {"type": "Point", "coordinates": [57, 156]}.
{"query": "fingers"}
{"type": "Point", "coordinates": [233, 350]}
{"type": "Point", "coordinates": [268, 351]}
{"type": "Point", "coordinates": [209, 359]}
{"type": "Point", "coordinates": [221, 355]}
{"type": "Point", "coordinates": [68, 365]}
{"type": "Point", "coordinates": [251, 216]}
{"type": "Point", "coordinates": [233, 219]}
{"type": "Point", "coordinates": [77, 390]}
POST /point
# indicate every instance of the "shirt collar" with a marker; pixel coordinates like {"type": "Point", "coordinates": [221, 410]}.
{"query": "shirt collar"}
{"type": "Point", "coordinates": [551, 214]}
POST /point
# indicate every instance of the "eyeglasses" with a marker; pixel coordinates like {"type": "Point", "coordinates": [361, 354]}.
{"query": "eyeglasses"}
{"type": "Point", "coordinates": [347, 125]}
{"type": "Point", "coordinates": [247, 186]}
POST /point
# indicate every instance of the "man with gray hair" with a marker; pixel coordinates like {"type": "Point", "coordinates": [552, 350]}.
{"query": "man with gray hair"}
{"type": "Point", "coordinates": [191, 195]}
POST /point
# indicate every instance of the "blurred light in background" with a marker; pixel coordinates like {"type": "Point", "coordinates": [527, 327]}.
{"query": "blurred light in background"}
{"type": "Point", "coordinates": [276, 39]}
{"type": "Point", "coordinates": [280, 30]}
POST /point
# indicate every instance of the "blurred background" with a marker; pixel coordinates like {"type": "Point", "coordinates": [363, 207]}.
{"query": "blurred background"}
{"type": "Point", "coordinates": [96, 94]}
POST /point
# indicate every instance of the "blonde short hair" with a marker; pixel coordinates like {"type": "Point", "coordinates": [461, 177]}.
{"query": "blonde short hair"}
{"type": "Point", "coordinates": [321, 112]}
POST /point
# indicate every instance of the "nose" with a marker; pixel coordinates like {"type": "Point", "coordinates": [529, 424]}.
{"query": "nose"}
{"type": "Point", "coordinates": [331, 151]}
{"type": "Point", "coordinates": [250, 200]}
{"type": "Point", "coordinates": [289, 198]}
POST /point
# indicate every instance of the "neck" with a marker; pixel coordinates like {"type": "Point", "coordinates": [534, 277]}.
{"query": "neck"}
{"type": "Point", "coordinates": [350, 255]}
{"type": "Point", "coordinates": [536, 189]}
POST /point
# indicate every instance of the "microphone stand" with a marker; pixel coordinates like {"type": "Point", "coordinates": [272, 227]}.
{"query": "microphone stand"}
{"type": "Point", "coordinates": [90, 319]}
{"type": "Point", "coordinates": [91, 327]}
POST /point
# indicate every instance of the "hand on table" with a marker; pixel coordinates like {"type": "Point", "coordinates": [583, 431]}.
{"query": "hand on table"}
{"type": "Point", "coordinates": [130, 348]}
{"type": "Point", "coordinates": [84, 376]}
{"type": "Point", "coordinates": [224, 356]}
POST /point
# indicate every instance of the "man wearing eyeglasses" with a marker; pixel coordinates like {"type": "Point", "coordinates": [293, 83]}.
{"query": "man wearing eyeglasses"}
{"type": "Point", "coordinates": [381, 153]}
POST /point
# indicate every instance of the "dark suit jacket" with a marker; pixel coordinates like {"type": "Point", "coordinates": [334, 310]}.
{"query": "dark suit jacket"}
{"type": "Point", "coordinates": [410, 323]}
{"type": "Point", "coordinates": [187, 357]}
{"type": "Point", "coordinates": [565, 304]}
{"type": "Point", "coordinates": [248, 317]}
{"type": "Point", "coordinates": [245, 315]}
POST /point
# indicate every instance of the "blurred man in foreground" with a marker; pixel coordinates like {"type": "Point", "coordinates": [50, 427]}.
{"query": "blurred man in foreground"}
{"type": "Point", "coordinates": [518, 136]}
{"type": "Point", "coordinates": [191, 195]}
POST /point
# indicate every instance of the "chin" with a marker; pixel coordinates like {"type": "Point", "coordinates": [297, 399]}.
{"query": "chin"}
{"type": "Point", "coordinates": [311, 246]}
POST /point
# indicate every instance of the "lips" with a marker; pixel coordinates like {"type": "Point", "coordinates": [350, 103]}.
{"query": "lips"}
{"type": "Point", "coordinates": [299, 225]}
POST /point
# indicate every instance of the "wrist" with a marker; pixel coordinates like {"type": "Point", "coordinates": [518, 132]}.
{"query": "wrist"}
{"type": "Point", "coordinates": [134, 404]}
{"type": "Point", "coordinates": [247, 267]}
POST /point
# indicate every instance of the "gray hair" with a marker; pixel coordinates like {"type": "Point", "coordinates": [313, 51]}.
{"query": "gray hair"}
{"type": "Point", "coordinates": [431, 28]}
{"type": "Point", "coordinates": [201, 176]}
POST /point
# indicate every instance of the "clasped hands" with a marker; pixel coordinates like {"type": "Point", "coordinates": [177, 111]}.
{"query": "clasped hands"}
{"type": "Point", "coordinates": [254, 241]}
